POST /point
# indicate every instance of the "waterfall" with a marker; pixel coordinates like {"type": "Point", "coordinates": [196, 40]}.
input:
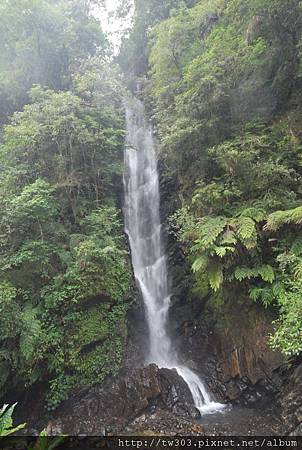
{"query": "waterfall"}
{"type": "Point", "coordinates": [143, 226]}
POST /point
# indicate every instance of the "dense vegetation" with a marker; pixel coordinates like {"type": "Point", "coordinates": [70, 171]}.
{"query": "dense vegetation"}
{"type": "Point", "coordinates": [222, 81]}
{"type": "Point", "coordinates": [65, 275]}
{"type": "Point", "coordinates": [223, 84]}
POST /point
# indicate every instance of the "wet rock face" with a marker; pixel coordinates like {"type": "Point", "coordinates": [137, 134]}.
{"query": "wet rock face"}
{"type": "Point", "coordinates": [247, 364]}
{"type": "Point", "coordinates": [176, 396]}
{"type": "Point", "coordinates": [120, 400]}
{"type": "Point", "coordinates": [229, 348]}
{"type": "Point", "coordinates": [291, 403]}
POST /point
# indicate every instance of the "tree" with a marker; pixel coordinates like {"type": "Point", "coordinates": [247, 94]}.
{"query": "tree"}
{"type": "Point", "coordinates": [42, 42]}
{"type": "Point", "coordinates": [65, 275]}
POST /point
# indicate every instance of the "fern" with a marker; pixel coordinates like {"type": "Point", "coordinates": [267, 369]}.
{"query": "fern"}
{"type": "Point", "coordinates": [242, 273]}
{"type": "Point", "coordinates": [223, 251]}
{"type": "Point", "coordinates": [268, 295]}
{"type": "Point", "coordinates": [265, 295]}
{"type": "Point", "coordinates": [215, 276]}
{"type": "Point", "coordinates": [199, 263]}
{"type": "Point", "coordinates": [279, 218]}
{"type": "Point", "coordinates": [246, 232]}
{"type": "Point", "coordinates": [30, 333]}
{"type": "Point", "coordinates": [256, 293]}
{"type": "Point", "coordinates": [210, 229]}
{"type": "Point", "coordinates": [298, 269]}
{"type": "Point", "coordinates": [296, 247]}
{"type": "Point", "coordinates": [256, 214]}
{"type": "Point", "coordinates": [265, 272]}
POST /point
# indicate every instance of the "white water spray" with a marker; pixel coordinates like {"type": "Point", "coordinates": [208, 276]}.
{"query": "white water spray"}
{"type": "Point", "coordinates": [143, 226]}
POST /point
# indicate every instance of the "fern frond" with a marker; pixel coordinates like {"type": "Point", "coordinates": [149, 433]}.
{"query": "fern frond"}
{"type": "Point", "coordinates": [256, 214]}
{"type": "Point", "coordinates": [215, 276]}
{"type": "Point", "coordinates": [279, 218]}
{"type": "Point", "coordinates": [246, 232]}
{"type": "Point", "coordinates": [265, 295]}
{"type": "Point", "coordinates": [199, 263]}
{"type": "Point", "coordinates": [296, 247]}
{"type": "Point", "coordinates": [210, 229]}
{"type": "Point", "coordinates": [242, 273]}
{"type": "Point", "coordinates": [298, 270]}
{"type": "Point", "coordinates": [265, 272]}
{"type": "Point", "coordinates": [222, 251]}
{"type": "Point", "coordinates": [30, 333]}
{"type": "Point", "coordinates": [255, 293]}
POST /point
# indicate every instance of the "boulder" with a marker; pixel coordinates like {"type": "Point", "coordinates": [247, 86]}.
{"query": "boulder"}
{"type": "Point", "coordinates": [112, 405]}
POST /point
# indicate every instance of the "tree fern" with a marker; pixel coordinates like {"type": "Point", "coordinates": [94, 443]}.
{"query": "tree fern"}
{"type": "Point", "coordinates": [210, 229]}
{"type": "Point", "coordinates": [279, 218]}
{"type": "Point", "coordinates": [254, 213]}
{"type": "Point", "coordinates": [265, 272]}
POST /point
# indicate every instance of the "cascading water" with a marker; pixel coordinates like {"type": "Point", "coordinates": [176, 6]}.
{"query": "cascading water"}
{"type": "Point", "coordinates": [143, 226]}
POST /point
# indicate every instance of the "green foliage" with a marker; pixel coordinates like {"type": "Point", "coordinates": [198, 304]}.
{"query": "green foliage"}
{"type": "Point", "coordinates": [235, 236]}
{"type": "Point", "coordinates": [47, 443]}
{"type": "Point", "coordinates": [42, 42]}
{"type": "Point", "coordinates": [133, 55]}
{"type": "Point", "coordinates": [6, 421]}
{"type": "Point", "coordinates": [280, 218]}
{"type": "Point", "coordinates": [288, 335]}
{"type": "Point", "coordinates": [266, 273]}
{"type": "Point", "coordinates": [65, 277]}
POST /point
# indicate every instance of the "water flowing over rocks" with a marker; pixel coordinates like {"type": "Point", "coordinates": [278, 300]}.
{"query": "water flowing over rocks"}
{"type": "Point", "coordinates": [149, 400]}
{"type": "Point", "coordinates": [110, 407]}
{"type": "Point", "coordinates": [144, 229]}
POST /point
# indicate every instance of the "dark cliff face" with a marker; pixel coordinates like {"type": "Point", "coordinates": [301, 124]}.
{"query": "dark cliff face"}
{"type": "Point", "coordinates": [291, 402]}
{"type": "Point", "coordinates": [231, 350]}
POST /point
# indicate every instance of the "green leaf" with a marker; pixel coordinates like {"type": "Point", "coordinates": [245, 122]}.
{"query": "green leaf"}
{"type": "Point", "coordinates": [222, 251]}
{"type": "Point", "coordinates": [199, 264]}
{"type": "Point", "coordinates": [6, 421]}
{"type": "Point", "coordinates": [215, 276]}
{"type": "Point", "coordinates": [265, 272]}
